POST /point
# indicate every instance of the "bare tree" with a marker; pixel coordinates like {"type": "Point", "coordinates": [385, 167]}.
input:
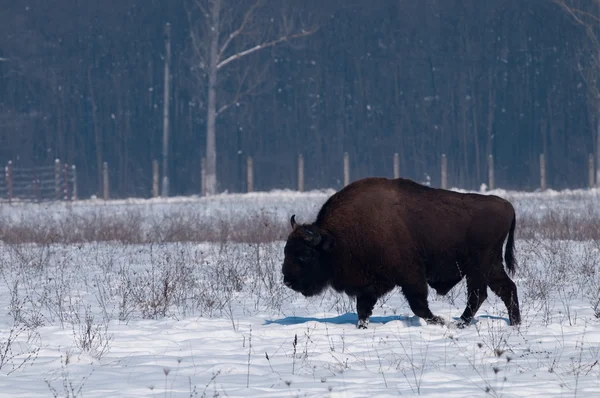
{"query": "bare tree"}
{"type": "Point", "coordinates": [586, 14]}
{"type": "Point", "coordinates": [221, 35]}
{"type": "Point", "coordinates": [167, 95]}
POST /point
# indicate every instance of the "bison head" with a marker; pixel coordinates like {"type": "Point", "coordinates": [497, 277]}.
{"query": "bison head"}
{"type": "Point", "coordinates": [305, 266]}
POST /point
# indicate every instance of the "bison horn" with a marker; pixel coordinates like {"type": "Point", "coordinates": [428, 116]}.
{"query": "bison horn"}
{"type": "Point", "coordinates": [293, 221]}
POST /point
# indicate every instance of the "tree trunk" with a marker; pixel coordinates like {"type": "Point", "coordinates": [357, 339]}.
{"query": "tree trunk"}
{"type": "Point", "coordinates": [598, 125]}
{"type": "Point", "coordinates": [211, 117]}
{"type": "Point", "coordinates": [97, 132]}
{"type": "Point", "coordinates": [474, 111]}
{"type": "Point", "coordinates": [166, 96]}
{"type": "Point", "coordinates": [598, 150]}
{"type": "Point", "coordinates": [117, 144]}
{"type": "Point", "coordinates": [491, 106]}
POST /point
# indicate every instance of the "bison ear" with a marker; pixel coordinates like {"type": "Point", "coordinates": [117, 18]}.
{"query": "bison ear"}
{"type": "Point", "coordinates": [319, 238]}
{"type": "Point", "coordinates": [293, 221]}
{"type": "Point", "coordinates": [312, 236]}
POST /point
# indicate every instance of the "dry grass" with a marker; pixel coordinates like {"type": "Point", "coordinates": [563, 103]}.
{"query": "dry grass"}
{"type": "Point", "coordinates": [132, 228]}
{"type": "Point", "coordinates": [555, 225]}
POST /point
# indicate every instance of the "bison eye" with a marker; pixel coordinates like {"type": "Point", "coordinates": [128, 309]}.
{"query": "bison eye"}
{"type": "Point", "coordinates": [303, 260]}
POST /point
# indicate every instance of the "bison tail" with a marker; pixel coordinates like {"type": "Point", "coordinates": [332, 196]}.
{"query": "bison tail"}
{"type": "Point", "coordinates": [509, 254]}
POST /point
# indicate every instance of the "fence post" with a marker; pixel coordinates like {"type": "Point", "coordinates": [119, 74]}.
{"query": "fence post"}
{"type": "Point", "coordinates": [300, 173]}
{"type": "Point", "coordinates": [444, 171]}
{"type": "Point", "coordinates": [203, 177]}
{"type": "Point", "coordinates": [250, 175]}
{"type": "Point", "coordinates": [396, 165]}
{"type": "Point", "coordinates": [8, 170]}
{"type": "Point", "coordinates": [155, 178]}
{"type": "Point", "coordinates": [165, 186]}
{"type": "Point", "coordinates": [105, 180]}
{"type": "Point", "coordinates": [57, 178]}
{"type": "Point", "coordinates": [66, 181]}
{"type": "Point", "coordinates": [346, 168]}
{"type": "Point", "coordinates": [591, 170]}
{"type": "Point", "coordinates": [491, 171]}
{"type": "Point", "coordinates": [74, 177]}
{"type": "Point", "coordinates": [36, 189]}
{"type": "Point", "coordinates": [542, 172]}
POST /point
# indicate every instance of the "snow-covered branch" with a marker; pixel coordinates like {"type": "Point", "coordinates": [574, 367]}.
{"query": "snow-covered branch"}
{"type": "Point", "coordinates": [262, 46]}
{"type": "Point", "coordinates": [238, 31]}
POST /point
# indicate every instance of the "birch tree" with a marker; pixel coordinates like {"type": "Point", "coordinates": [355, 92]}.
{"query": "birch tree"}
{"type": "Point", "coordinates": [222, 35]}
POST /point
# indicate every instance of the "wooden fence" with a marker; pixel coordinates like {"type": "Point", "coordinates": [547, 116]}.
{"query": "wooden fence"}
{"type": "Point", "coordinates": [59, 181]}
{"type": "Point", "coordinates": [491, 184]}
{"type": "Point", "coordinates": [37, 184]}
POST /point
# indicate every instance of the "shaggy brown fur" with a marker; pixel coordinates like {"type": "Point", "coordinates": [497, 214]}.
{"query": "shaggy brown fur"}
{"type": "Point", "coordinates": [378, 233]}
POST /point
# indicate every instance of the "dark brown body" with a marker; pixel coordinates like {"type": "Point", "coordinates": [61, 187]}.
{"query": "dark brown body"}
{"type": "Point", "coordinates": [377, 233]}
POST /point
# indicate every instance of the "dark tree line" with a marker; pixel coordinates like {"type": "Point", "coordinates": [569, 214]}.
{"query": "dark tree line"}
{"type": "Point", "coordinates": [83, 82]}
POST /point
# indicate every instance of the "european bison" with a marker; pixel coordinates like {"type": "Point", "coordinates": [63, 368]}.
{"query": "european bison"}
{"type": "Point", "coordinates": [378, 233]}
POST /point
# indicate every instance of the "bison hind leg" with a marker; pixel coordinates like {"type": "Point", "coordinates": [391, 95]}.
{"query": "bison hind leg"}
{"type": "Point", "coordinates": [416, 295]}
{"type": "Point", "coordinates": [501, 284]}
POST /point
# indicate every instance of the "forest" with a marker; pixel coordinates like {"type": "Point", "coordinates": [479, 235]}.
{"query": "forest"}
{"type": "Point", "coordinates": [84, 82]}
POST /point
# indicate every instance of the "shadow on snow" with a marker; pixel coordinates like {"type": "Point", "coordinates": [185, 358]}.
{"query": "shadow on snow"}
{"type": "Point", "coordinates": [347, 318]}
{"type": "Point", "coordinates": [352, 318]}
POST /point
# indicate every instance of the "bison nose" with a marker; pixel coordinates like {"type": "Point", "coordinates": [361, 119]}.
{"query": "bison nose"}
{"type": "Point", "coordinates": [287, 282]}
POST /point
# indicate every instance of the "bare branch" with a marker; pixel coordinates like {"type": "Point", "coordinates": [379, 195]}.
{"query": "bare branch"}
{"type": "Point", "coordinates": [226, 106]}
{"type": "Point", "coordinates": [238, 31]}
{"type": "Point", "coordinates": [237, 94]}
{"type": "Point", "coordinates": [562, 4]}
{"type": "Point", "coordinates": [197, 45]}
{"type": "Point", "coordinates": [590, 81]}
{"type": "Point", "coordinates": [577, 15]}
{"type": "Point", "coordinates": [574, 12]}
{"type": "Point", "coordinates": [241, 94]}
{"type": "Point", "coordinates": [201, 8]}
{"type": "Point", "coordinates": [263, 46]}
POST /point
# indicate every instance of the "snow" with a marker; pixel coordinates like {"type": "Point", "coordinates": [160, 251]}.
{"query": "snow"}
{"type": "Point", "coordinates": [213, 319]}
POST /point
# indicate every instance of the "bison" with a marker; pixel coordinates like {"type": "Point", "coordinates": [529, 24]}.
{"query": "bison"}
{"type": "Point", "coordinates": [378, 233]}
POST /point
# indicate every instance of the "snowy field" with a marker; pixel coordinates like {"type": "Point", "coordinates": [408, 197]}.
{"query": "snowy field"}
{"type": "Point", "coordinates": [200, 311]}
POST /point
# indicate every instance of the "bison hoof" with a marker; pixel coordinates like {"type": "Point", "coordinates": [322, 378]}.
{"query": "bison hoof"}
{"type": "Point", "coordinates": [461, 323]}
{"type": "Point", "coordinates": [436, 320]}
{"type": "Point", "coordinates": [362, 323]}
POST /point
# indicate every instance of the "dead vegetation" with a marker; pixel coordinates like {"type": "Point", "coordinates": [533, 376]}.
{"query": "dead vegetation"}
{"type": "Point", "coordinates": [131, 226]}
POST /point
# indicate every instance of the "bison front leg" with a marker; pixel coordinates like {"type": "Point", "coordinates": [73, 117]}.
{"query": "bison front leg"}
{"type": "Point", "coordinates": [476, 295]}
{"type": "Point", "coordinates": [364, 307]}
{"type": "Point", "coordinates": [417, 300]}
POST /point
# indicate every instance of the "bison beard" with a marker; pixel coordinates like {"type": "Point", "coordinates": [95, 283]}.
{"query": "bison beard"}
{"type": "Point", "coordinates": [377, 233]}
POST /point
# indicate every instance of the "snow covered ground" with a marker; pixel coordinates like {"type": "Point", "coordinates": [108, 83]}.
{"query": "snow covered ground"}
{"type": "Point", "coordinates": [277, 205]}
{"type": "Point", "coordinates": [193, 319]}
